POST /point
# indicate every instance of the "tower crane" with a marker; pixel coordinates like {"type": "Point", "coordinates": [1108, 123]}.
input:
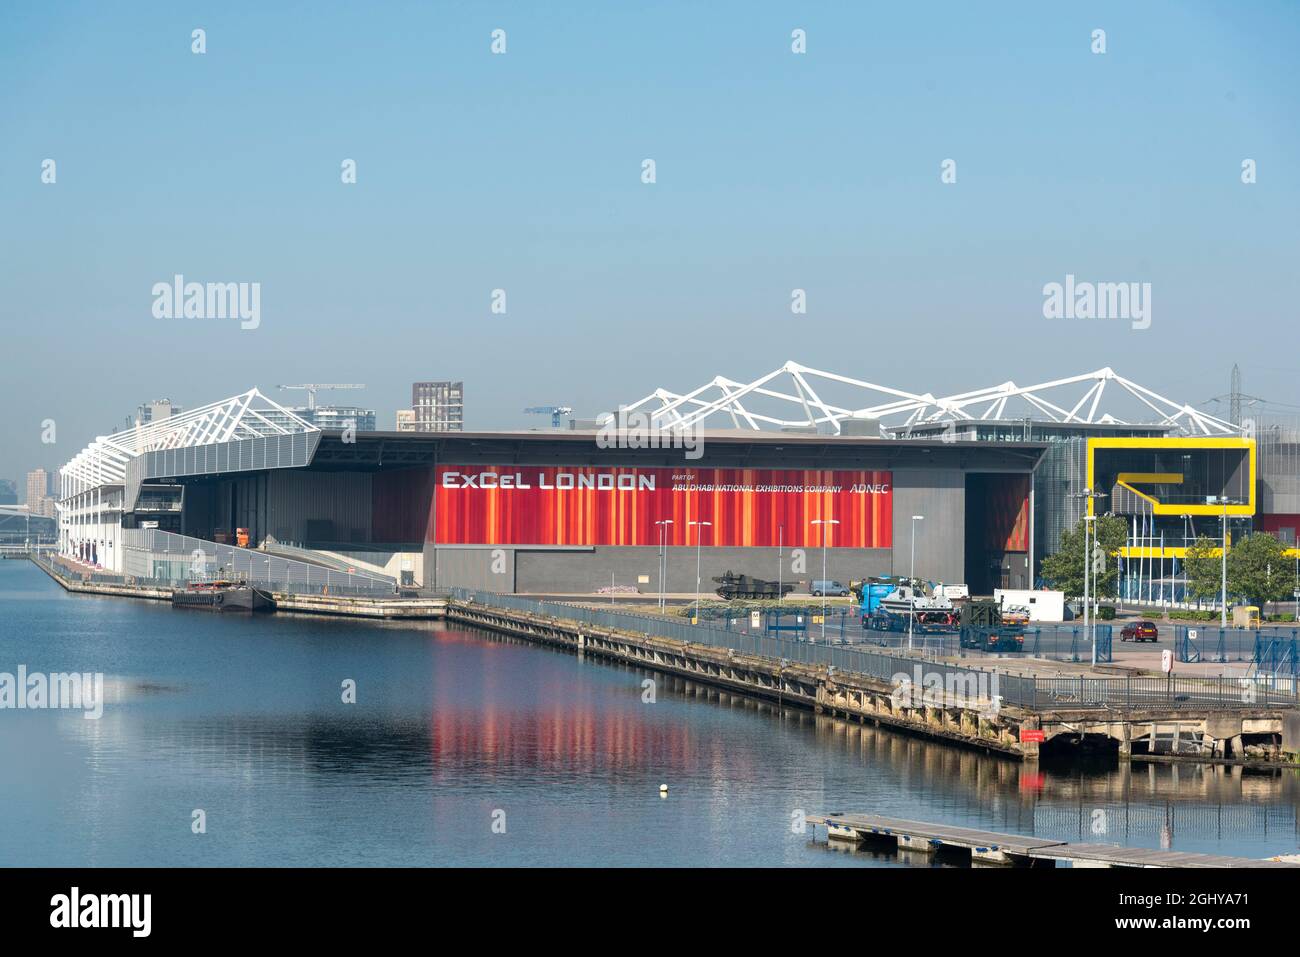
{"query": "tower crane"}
{"type": "Point", "coordinates": [311, 388]}
{"type": "Point", "coordinates": [556, 412]}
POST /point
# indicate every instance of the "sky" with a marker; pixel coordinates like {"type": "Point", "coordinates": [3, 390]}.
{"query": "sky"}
{"type": "Point", "coordinates": [523, 171]}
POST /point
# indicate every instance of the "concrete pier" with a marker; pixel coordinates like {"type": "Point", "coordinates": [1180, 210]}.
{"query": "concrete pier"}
{"type": "Point", "coordinates": [386, 608]}
{"type": "Point", "coordinates": [1192, 733]}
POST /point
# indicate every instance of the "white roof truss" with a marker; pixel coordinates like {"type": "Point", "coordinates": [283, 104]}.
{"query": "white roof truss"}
{"type": "Point", "coordinates": [1075, 399]}
{"type": "Point", "coordinates": [244, 416]}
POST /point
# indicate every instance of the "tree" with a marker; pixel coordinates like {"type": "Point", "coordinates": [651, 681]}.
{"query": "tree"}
{"type": "Point", "coordinates": [1064, 570]}
{"type": "Point", "coordinates": [1259, 571]}
{"type": "Point", "coordinates": [1203, 568]}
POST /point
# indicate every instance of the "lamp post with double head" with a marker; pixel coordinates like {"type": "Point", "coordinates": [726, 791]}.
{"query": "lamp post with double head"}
{"type": "Point", "coordinates": [663, 558]}
{"type": "Point", "coordinates": [698, 533]}
{"type": "Point", "coordinates": [1223, 565]}
{"type": "Point", "coordinates": [911, 574]}
{"type": "Point", "coordinates": [823, 522]}
{"type": "Point", "coordinates": [1089, 496]}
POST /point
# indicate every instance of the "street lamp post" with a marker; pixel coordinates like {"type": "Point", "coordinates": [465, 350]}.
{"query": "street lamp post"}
{"type": "Point", "coordinates": [663, 557]}
{"type": "Point", "coordinates": [698, 534]}
{"type": "Point", "coordinates": [1089, 629]}
{"type": "Point", "coordinates": [823, 522]}
{"type": "Point", "coordinates": [1223, 565]}
{"type": "Point", "coordinates": [780, 561]}
{"type": "Point", "coordinates": [911, 611]}
{"type": "Point", "coordinates": [1223, 571]}
{"type": "Point", "coordinates": [1223, 582]}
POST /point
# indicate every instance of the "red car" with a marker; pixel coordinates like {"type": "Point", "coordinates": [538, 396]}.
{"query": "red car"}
{"type": "Point", "coordinates": [1139, 631]}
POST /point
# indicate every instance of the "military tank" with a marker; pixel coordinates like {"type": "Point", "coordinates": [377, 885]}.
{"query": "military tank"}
{"type": "Point", "coordinates": [743, 586]}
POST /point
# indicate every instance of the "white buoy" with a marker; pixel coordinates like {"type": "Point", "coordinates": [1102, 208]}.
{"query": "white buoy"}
{"type": "Point", "coordinates": [663, 789]}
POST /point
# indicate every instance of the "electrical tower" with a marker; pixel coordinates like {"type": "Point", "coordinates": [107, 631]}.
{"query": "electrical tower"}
{"type": "Point", "coordinates": [1234, 395]}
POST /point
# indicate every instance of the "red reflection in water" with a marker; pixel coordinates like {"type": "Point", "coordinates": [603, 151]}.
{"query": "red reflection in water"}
{"type": "Point", "coordinates": [1032, 782]}
{"type": "Point", "coordinates": [567, 737]}
{"type": "Point", "coordinates": [507, 721]}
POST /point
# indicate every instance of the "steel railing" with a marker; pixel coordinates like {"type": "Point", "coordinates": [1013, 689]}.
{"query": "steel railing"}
{"type": "Point", "coordinates": [1029, 691]}
{"type": "Point", "coordinates": [844, 626]}
{"type": "Point", "coordinates": [1267, 648]}
{"type": "Point", "coordinates": [159, 559]}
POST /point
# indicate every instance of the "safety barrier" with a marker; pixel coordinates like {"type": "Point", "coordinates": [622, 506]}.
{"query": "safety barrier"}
{"type": "Point", "coordinates": [1193, 643]}
{"type": "Point", "coordinates": [1028, 691]}
{"type": "Point", "coordinates": [159, 559]}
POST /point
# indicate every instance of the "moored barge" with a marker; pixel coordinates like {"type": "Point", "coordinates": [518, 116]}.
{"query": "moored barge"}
{"type": "Point", "coordinates": [222, 596]}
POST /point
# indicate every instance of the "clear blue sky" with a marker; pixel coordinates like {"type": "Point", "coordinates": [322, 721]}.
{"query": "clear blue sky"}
{"type": "Point", "coordinates": [522, 171]}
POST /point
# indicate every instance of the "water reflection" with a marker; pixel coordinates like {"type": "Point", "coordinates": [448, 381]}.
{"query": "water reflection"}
{"type": "Point", "coordinates": [244, 719]}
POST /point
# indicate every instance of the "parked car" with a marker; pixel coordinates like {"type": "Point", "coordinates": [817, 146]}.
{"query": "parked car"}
{"type": "Point", "coordinates": [826, 586]}
{"type": "Point", "coordinates": [1139, 631]}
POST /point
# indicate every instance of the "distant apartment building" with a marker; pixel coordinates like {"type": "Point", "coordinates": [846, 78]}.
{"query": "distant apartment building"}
{"type": "Point", "coordinates": [405, 420]}
{"type": "Point", "coordinates": [39, 500]}
{"type": "Point", "coordinates": [339, 417]}
{"type": "Point", "coordinates": [438, 406]}
{"type": "Point", "coordinates": [38, 485]}
{"type": "Point", "coordinates": [330, 417]}
{"type": "Point", "coordinates": [154, 410]}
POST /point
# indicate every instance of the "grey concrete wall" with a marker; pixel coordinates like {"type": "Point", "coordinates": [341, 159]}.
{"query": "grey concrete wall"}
{"type": "Point", "coordinates": [490, 569]}
{"type": "Point", "coordinates": [541, 571]}
{"type": "Point", "coordinates": [939, 495]}
{"type": "Point", "coordinates": [583, 571]}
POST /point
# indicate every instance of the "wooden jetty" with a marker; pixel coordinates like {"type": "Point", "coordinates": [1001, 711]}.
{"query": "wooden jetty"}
{"type": "Point", "coordinates": [988, 847]}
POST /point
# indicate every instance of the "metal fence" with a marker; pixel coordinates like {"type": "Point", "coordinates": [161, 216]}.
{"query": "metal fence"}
{"type": "Point", "coordinates": [1193, 643]}
{"type": "Point", "coordinates": [844, 626]}
{"type": "Point", "coordinates": [1028, 691]}
{"type": "Point", "coordinates": [68, 569]}
{"type": "Point", "coordinates": [152, 553]}
{"type": "Point", "coordinates": [1277, 656]}
{"type": "Point", "coordinates": [154, 558]}
{"type": "Point", "coordinates": [1049, 642]}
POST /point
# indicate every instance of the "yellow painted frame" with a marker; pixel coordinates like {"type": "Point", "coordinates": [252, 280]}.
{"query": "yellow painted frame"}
{"type": "Point", "coordinates": [1164, 478]}
{"type": "Point", "coordinates": [1155, 551]}
{"type": "Point", "coordinates": [1198, 442]}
